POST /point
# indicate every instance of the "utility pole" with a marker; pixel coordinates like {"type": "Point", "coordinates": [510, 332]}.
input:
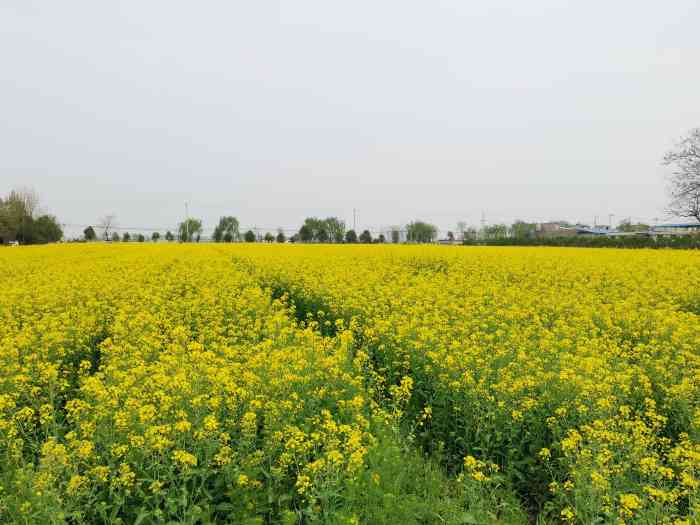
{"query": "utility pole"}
{"type": "Point", "coordinates": [187, 226]}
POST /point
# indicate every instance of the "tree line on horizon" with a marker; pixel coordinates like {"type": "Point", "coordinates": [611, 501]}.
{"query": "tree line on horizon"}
{"type": "Point", "coordinates": [21, 220]}
{"type": "Point", "coordinates": [313, 230]}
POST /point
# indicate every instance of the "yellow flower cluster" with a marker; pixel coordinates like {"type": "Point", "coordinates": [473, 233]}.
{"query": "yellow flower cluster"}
{"type": "Point", "coordinates": [254, 378]}
{"type": "Point", "coordinates": [164, 370]}
{"type": "Point", "coordinates": [573, 368]}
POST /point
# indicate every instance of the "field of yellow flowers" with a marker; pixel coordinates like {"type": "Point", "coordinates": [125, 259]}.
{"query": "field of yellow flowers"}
{"type": "Point", "coordinates": [349, 384]}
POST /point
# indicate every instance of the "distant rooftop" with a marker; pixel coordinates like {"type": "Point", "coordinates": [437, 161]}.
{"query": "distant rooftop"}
{"type": "Point", "coordinates": [679, 225]}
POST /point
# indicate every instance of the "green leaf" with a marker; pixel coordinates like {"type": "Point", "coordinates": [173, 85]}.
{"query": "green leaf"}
{"type": "Point", "coordinates": [468, 519]}
{"type": "Point", "coordinates": [142, 516]}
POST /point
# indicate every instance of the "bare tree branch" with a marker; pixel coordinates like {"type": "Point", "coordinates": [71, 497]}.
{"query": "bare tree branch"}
{"type": "Point", "coordinates": [684, 182]}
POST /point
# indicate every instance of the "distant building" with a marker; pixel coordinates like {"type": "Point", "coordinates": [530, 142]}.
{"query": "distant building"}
{"type": "Point", "coordinates": [553, 229]}
{"type": "Point", "coordinates": [596, 230]}
{"type": "Point", "coordinates": [675, 229]}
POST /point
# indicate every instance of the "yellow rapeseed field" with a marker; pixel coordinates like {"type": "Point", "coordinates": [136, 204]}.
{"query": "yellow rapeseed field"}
{"type": "Point", "coordinates": [349, 384]}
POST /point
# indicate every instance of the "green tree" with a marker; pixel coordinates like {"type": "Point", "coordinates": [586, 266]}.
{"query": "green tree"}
{"type": "Point", "coordinates": [366, 237]}
{"type": "Point", "coordinates": [227, 225]}
{"type": "Point", "coordinates": [115, 237]}
{"type": "Point", "coordinates": [420, 232]}
{"type": "Point", "coordinates": [335, 228]}
{"type": "Point", "coordinates": [523, 230]}
{"type": "Point", "coordinates": [25, 232]}
{"type": "Point", "coordinates": [13, 217]}
{"type": "Point", "coordinates": [155, 236]}
{"type": "Point", "coordinates": [126, 237]}
{"type": "Point", "coordinates": [381, 239]}
{"type": "Point", "coordinates": [306, 234]}
{"type": "Point", "coordinates": [627, 226]}
{"type": "Point", "coordinates": [249, 236]}
{"type": "Point", "coordinates": [470, 234]}
{"type": "Point", "coordinates": [7, 231]}
{"type": "Point", "coordinates": [18, 220]}
{"type": "Point", "coordinates": [461, 230]}
{"type": "Point", "coordinates": [269, 237]}
{"type": "Point", "coordinates": [495, 231]}
{"type": "Point", "coordinates": [169, 236]}
{"type": "Point", "coordinates": [395, 235]}
{"type": "Point", "coordinates": [45, 229]}
{"type": "Point", "coordinates": [322, 235]}
{"type": "Point", "coordinates": [189, 229]}
{"type": "Point", "coordinates": [140, 237]}
{"type": "Point", "coordinates": [280, 236]}
{"type": "Point", "coordinates": [330, 229]}
{"type": "Point", "coordinates": [351, 236]}
{"type": "Point", "coordinates": [89, 234]}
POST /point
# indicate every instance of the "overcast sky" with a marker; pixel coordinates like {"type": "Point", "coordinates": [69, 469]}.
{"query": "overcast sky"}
{"type": "Point", "coordinates": [273, 111]}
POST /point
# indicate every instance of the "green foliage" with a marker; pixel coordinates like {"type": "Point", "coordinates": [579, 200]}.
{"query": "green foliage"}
{"type": "Point", "coordinates": [420, 232]}
{"type": "Point", "coordinates": [155, 236]}
{"type": "Point", "coordinates": [269, 237]}
{"type": "Point", "coordinates": [249, 236]}
{"type": "Point", "coordinates": [89, 234]}
{"type": "Point", "coordinates": [521, 230]}
{"type": "Point", "coordinates": [280, 236]}
{"type": "Point", "coordinates": [335, 228]}
{"type": "Point", "coordinates": [227, 230]}
{"type": "Point", "coordinates": [140, 237]}
{"type": "Point", "coordinates": [126, 237]}
{"type": "Point", "coordinates": [403, 486]}
{"type": "Point", "coordinates": [169, 236]}
{"type": "Point", "coordinates": [366, 237]}
{"type": "Point", "coordinates": [351, 236]}
{"type": "Point", "coordinates": [306, 234]}
{"type": "Point", "coordinates": [687, 242]}
{"type": "Point", "coordinates": [189, 230]}
{"type": "Point", "coordinates": [495, 231]}
{"type": "Point", "coordinates": [43, 230]}
{"type": "Point", "coordinates": [627, 226]}
{"type": "Point", "coordinates": [19, 221]}
{"type": "Point", "coordinates": [330, 229]}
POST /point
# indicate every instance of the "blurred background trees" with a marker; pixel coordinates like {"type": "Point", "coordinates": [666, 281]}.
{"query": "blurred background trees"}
{"type": "Point", "coordinates": [21, 220]}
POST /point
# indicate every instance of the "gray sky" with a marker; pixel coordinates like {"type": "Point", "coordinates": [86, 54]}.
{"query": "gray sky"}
{"type": "Point", "coordinates": [273, 111]}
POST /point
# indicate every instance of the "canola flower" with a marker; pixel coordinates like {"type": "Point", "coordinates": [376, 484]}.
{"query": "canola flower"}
{"type": "Point", "coordinates": [256, 379]}
{"type": "Point", "coordinates": [568, 368]}
{"type": "Point", "coordinates": [128, 373]}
